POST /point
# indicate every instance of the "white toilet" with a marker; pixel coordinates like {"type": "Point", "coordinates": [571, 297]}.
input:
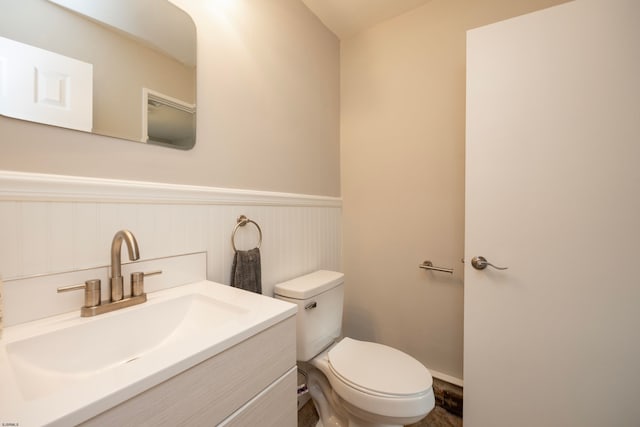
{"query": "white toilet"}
{"type": "Point", "coordinates": [352, 383]}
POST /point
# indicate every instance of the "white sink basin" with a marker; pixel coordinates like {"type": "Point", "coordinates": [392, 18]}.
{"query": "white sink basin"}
{"type": "Point", "coordinates": [66, 369]}
{"type": "Point", "coordinates": [45, 363]}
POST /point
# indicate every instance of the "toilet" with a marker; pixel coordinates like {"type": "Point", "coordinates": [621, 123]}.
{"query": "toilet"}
{"type": "Point", "coordinates": [352, 383]}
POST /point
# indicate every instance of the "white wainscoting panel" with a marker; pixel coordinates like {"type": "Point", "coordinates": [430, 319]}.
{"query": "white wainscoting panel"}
{"type": "Point", "coordinates": [51, 224]}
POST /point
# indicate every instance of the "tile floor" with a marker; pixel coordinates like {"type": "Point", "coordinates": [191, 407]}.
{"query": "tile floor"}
{"type": "Point", "coordinates": [447, 395]}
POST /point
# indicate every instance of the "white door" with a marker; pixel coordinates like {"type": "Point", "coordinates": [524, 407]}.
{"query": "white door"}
{"type": "Point", "coordinates": [553, 193]}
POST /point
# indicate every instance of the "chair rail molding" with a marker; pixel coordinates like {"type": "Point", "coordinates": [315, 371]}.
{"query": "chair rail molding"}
{"type": "Point", "coordinates": [26, 186]}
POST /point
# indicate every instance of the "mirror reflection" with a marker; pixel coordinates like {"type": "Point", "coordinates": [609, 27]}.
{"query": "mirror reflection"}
{"type": "Point", "coordinates": [122, 68]}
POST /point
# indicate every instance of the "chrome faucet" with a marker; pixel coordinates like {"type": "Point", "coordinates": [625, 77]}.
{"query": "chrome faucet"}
{"type": "Point", "coordinates": [117, 288]}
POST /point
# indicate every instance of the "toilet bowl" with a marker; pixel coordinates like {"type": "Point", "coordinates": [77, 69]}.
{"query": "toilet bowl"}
{"type": "Point", "coordinates": [352, 383]}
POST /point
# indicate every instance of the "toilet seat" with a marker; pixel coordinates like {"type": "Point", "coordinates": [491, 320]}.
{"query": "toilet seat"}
{"type": "Point", "coordinates": [377, 378]}
{"type": "Point", "coordinates": [378, 369]}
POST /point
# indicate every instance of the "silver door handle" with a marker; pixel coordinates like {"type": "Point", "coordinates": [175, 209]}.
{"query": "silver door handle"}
{"type": "Point", "coordinates": [480, 263]}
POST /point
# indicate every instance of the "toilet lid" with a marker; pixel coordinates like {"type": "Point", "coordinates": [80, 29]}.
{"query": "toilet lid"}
{"type": "Point", "coordinates": [379, 368]}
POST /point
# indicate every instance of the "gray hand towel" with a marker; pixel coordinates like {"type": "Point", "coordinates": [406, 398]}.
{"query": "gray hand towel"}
{"type": "Point", "coordinates": [245, 271]}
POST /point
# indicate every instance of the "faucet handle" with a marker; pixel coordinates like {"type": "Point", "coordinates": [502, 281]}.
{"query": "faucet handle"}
{"type": "Point", "coordinates": [91, 291]}
{"type": "Point", "coordinates": [137, 281]}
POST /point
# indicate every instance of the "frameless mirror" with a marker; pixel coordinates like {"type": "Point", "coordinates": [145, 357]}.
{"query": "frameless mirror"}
{"type": "Point", "coordinates": [121, 68]}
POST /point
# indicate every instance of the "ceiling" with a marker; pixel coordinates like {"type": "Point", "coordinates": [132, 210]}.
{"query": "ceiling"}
{"type": "Point", "coordinates": [348, 17]}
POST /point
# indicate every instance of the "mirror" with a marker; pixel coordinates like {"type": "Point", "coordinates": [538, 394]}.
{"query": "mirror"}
{"type": "Point", "coordinates": [121, 68]}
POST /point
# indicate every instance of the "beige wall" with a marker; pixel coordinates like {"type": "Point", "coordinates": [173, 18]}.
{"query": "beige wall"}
{"type": "Point", "coordinates": [402, 162]}
{"type": "Point", "coordinates": [268, 110]}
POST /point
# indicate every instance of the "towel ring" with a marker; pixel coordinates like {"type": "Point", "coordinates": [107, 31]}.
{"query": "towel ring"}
{"type": "Point", "coordinates": [242, 221]}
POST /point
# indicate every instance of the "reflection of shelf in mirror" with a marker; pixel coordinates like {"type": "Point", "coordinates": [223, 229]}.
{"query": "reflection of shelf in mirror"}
{"type": "Point", "coordinates": [168, 121]}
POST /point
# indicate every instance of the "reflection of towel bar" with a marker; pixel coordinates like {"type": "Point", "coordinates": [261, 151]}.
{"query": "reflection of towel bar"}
{"type": "Point", "coordinates": [428, 265]}
{"type": "Point", "coordinates": [242, 221]}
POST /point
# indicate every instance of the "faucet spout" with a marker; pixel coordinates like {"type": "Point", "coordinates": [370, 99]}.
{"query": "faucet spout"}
{"type": "Point", "coordinates": [116, 261]}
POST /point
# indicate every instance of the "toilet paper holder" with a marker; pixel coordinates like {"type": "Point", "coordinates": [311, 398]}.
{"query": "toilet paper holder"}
{"type": "Point", "coordinates": [428, 265]}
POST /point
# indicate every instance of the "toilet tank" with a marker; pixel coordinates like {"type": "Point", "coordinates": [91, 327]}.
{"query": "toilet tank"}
{"type": "Point", "coordinates": [319, 297]}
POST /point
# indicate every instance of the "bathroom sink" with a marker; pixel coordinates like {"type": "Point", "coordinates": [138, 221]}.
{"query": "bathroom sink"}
{"type": "Point", "coordinates": [45, 363]}
{"type": "Point", "coordinates": [66, 369]}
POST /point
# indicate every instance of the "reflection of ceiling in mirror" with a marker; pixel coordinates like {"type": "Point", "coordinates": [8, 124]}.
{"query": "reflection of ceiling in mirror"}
{"type": "Point", "coordinates": [133, 17]}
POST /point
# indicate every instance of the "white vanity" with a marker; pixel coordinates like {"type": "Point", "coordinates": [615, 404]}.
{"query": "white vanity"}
{"type": "Point", "coordinates": [196, 354]}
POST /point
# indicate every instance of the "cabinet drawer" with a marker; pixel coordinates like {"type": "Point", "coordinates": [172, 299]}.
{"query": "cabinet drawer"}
{"type": "Point", "coordinates": [276, 406]}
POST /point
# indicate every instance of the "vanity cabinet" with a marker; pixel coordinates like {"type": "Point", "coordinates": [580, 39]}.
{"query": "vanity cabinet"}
{"type": "Point", "coordinates": [251, 383]}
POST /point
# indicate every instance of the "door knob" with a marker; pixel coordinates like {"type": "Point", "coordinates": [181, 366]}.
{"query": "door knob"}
{"type": "Point", "coordinates": [480, 263]}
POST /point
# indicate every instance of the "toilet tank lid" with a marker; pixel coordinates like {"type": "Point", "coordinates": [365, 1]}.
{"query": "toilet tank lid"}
{"type": "Point", "coordinates": [309, 285]}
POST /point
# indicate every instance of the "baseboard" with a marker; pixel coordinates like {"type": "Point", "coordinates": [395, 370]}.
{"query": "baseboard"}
{"type": "Point", "coordinates": [447, 378]}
